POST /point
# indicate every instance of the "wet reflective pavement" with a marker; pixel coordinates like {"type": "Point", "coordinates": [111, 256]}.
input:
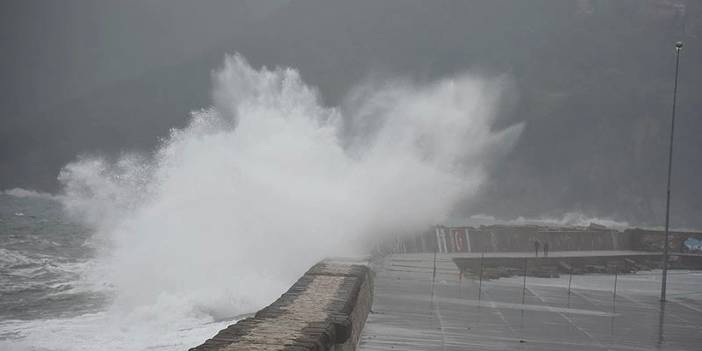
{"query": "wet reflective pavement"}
{"type": "Point", "coordinates": [552, 254]}
{"type": "Point", "coordinates": [411, 313]}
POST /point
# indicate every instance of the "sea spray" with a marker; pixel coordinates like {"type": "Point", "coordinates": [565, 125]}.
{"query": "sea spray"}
{"type": "Point", "coordinates": [230, 210]}
{"type": "Point", "coordinates": [567, 219]}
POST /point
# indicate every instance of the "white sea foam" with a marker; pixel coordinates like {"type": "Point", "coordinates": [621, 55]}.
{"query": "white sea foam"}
{"type": "Point", "coordinates": [140, 329]}
{"type": "Point", "coordinates": [577, 219]}
{"type": "Point", "coordinates": [230, 210]}
{"type": "Point", "coordinates": [24, 193]}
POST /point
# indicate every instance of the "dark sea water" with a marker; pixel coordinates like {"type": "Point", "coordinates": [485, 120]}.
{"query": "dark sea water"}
{"type": "Point", "coordinates": [52, 296]}
{"type": "Point", "coordinates": [42, 256]}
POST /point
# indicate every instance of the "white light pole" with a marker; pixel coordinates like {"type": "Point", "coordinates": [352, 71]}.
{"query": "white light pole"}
{"type": "Point", "coordinates": [664, 281]}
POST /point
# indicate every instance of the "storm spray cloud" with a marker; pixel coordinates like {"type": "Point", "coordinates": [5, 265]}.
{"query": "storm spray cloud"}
{"type": "Point", "coordinates": [234, 207]}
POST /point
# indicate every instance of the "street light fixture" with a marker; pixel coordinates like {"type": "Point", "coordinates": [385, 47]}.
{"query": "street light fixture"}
{"type": "Point", "coordinates": [664, 281]}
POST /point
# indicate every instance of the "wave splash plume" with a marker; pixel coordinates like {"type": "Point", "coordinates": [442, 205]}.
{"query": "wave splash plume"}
{"type": "Point", "coordinates": [233, 208]}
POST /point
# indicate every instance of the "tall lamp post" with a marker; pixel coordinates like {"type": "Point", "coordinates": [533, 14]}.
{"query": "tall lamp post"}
{"type": "Point", "coordinates": [664, 281]}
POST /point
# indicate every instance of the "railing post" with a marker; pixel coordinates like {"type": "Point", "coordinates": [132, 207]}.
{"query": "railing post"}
{"type": "Point", "coordinates": [524, 284]}
{"type": "Point", "coordinates": [570, 279]}
{"type": "Point", "coordinates": [480, 284]}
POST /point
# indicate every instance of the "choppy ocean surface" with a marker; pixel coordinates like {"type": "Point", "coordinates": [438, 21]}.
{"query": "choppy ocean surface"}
{"type": "Point", "coordinates": [47, 301]}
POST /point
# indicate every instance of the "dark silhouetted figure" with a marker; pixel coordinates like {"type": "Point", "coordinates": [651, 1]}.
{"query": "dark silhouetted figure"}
{"type": "Point", "coordinates": [536, 247]}
{"type": "Point", "coordinates": [545, 249]}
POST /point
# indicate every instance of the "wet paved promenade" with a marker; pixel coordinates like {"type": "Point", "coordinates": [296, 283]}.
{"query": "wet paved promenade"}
{"type": "Point", "coordinates": [529, 254]}
{"type": "Point", "coordinates": [407, 317]}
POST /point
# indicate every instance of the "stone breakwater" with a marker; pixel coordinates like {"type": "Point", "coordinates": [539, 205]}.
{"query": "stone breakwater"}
{"type": "Point", "coordinates": [325, 309]}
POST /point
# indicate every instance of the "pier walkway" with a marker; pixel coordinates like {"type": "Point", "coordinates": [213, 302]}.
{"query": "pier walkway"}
{"type": "Point", "coordinates": [411, 313]}
{"type": "Point", "coordinates": [529, 254]}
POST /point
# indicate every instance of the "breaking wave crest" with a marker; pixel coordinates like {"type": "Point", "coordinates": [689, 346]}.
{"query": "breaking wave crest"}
{"type": "Point", "coordinates": [568, 219]}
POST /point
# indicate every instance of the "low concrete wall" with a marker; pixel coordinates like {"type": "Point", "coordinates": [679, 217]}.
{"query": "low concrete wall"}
{"type": "Point", "coordinates": [544, 266]}
{"type": "Point", "coordinates": [521, 238]}
{"type": "Point", "coordinates": [652, 240]}
{"type": "Point", "coordinates": [325, 309]}
{"type": "Point", "coordinates": [551, 266]}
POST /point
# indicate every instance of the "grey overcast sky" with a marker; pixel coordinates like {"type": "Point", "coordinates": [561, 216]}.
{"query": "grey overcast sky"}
{"type": "Point", "coordinates": [592, 82]}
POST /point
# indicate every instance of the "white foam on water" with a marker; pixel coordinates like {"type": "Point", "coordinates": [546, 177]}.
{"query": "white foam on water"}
{"type": "Point", "coordinates": [577, 219]}
{"type": "Point", "coordinates": [26, 193]}
{"type": "Point", "coordinates": [230, 210]}
{"type": "Point", "coordinates": [159, 327]}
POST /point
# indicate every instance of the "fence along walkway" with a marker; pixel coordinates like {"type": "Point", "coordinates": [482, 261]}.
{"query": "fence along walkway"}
{"type": "Point", "coordinates": [412, 313]}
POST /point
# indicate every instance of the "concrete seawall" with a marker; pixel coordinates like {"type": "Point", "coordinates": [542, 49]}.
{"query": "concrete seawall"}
{"type": "Point", "coordinates": [325, 309]}
{"type": "Point", "coordinates": [496, 265]}
{"type": "Point", "coordinates": [517, 238]}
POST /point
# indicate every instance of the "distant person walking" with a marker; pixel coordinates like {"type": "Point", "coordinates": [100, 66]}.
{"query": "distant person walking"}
{"type": "Point", "coordinates": [537, 244]}
{"type": "Point", "coordinates": [545, 249]}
